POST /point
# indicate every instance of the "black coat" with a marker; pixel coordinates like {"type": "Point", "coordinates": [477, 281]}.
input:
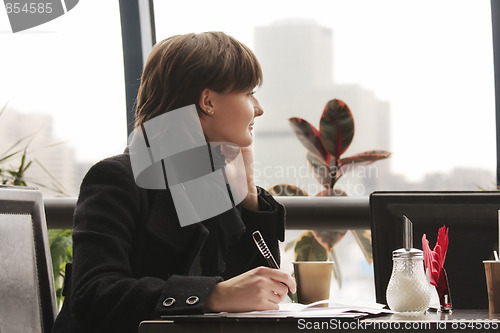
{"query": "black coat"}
{"type": "Point", "coordinates": [132, 261]}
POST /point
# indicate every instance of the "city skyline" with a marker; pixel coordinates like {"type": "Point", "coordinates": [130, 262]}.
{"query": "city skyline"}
{"type": "Point", "coordinates": [283, 47]}
{"type": "Point", "coordinates": [384, 52]}
{"type": "Point", "coordinates": [300, 41]}
{"type": "Point", "coordinates": [431, 74]}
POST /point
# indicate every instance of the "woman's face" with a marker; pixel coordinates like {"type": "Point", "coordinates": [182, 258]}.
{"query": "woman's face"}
{"type": "Point", "coordinates": [233, 116]}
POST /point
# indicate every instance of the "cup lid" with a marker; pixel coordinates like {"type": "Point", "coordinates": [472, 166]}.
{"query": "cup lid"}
{"type": "Point", "coordinates": [411, 253]}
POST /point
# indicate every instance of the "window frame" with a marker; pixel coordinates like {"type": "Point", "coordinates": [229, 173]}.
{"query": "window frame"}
{"type": "Point", "coordinates": [138, 36]}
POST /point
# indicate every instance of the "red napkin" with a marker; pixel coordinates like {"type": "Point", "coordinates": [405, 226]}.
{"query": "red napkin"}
{"type": "Point", "coordinates": [434, 262]}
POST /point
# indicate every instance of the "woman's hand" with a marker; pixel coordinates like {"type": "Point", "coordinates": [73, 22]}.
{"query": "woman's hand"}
{"type": "Point", "coordinates": [235, 173]}
{"type": "Point", "coordinates": [261, 288]}
{"type": "Point", "coordinates": [251, 200]}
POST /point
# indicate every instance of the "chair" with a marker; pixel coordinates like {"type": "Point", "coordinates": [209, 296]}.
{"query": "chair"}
{"type": "Point", "coordinates": [27, 295]}
{"type": "Point", "coordinates": [472, 218]}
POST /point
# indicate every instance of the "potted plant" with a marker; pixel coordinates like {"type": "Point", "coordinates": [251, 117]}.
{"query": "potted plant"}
{"type": "Point", "coordinates": [325, 148]}
{"type": "Point", "coordinates": [14, 163]}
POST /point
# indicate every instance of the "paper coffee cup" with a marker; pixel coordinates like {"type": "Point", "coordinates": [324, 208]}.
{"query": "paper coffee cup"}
{"type": "Point", "coordinates": [492, 272]}
{"type": "Point", "coordinates": [313, 280]}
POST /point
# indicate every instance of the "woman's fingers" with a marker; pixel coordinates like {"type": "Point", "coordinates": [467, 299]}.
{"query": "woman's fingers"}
{"type": "Point", "coordinates": [279, 293]}
{"type": "Point", "coordinates": [280, 282]}
{"type": "Point", "coordinates": [275, 297]}
{"type": "Point", "coordinates": [283, 278]}
{"type": "Point", "coordinates": [261, 288]}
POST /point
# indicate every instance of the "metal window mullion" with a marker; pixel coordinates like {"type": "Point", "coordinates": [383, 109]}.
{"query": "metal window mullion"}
{"type": "Point", "coordinates": [138, 36]}
{"type": "Point", "coordinates": [495, 18]}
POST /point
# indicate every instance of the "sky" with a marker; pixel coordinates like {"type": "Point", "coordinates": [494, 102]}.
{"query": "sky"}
{"type": "Point", "coordinates": [431, 60]}
{"type": "Point", "coordinates": [71, 68]}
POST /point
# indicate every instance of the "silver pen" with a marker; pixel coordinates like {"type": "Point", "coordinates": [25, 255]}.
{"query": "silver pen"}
{"type": "Point", "coordinates": [266, 253]}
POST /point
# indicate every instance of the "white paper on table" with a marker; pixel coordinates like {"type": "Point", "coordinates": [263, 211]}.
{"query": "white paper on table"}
{"type": "Point", "coordinates": [335, 309]}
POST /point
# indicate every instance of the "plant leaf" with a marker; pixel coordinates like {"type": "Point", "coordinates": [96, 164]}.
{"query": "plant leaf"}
{"type": "Point", "coordinates": [29, 138]}
{"type": "Point", "coordinates": [56, 185]}
{"type": "Point", "coordinates": [336, 127]}
{"type": "Point", "coordinates": [61, 243]}
{"type": "Point", "coordinates": [309, 136]}
{"type": "Point", "coordinates": [10, 156]}
{"type": "Point", "coordinates": [327, 238]}
{"type": "Point", "coordinates": [337, 274]}
{"type": "Point", "coordinates": [332, 192]}
{"type": "Point", "coordinates": [4, 107]}
{"type": "Point", "coordinates": [289, 245]}
{"type": "Point", "coordinates": [364, 239]}
{"type": "Point", "coordinates": [362, 159]}
{"type": "Point", "coordinates": [61, 252]}
{"type": "Point", "coordinates": [287, 190]}
{"type": "Point", "coordinates": [320, 170]}
{"type": "Point", "coordinates": [307, 248]}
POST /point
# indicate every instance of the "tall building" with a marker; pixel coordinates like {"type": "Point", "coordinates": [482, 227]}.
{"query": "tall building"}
{"type": "Point", "coordinates": [52, 162]}
{"type": "Point", "coordinates": [297, 60]}
{"type": "Point", "coordinates": [295, 52]}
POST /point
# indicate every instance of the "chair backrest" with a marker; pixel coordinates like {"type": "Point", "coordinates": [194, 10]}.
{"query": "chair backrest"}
{"type": "Point", "coordinates": [472, 218]}
{"type": "Point", "coordinates": [27, 293]}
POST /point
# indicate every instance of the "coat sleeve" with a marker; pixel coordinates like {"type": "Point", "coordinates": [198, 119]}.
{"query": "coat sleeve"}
{"type": "Point", "coordinates": [105, 295]}
{"type": "Point", "coordinates": [270, 221]}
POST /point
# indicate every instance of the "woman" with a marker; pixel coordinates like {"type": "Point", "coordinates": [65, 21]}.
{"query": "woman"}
{"type": "Point", "coordinates": [132, 259]}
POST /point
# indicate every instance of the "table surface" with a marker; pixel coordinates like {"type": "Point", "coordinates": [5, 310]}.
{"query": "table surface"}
{"type": "Point", "coordinates": [457, 320]}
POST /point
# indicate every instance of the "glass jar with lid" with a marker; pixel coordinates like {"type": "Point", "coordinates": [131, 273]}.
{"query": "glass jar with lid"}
{"type": "Point", "coordinates": [408, 291]}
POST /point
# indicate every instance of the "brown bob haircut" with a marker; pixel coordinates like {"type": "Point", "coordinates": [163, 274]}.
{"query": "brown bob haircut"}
{"type": "Point", "coordinates": [180, 67]}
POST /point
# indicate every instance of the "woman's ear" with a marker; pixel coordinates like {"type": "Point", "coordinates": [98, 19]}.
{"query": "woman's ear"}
{"type": "Point", "coordinates": [206, 100]}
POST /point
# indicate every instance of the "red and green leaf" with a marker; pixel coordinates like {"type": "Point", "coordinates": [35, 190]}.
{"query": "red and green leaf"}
{"type": "Point", "coordinates": [362, 159]}
{"type": "Point", "coordinates": [336, 127]}
{"type": "Point", "coordinates": [307, 248]}
{"type": "Point", "coordinates": [364, 240]}
{"type": "Point", "coordinates": [287, 190]}
{"type": "Point", "coordinates": [309, 136]}
{"type": "Point", "coordinates": [320, 170]}
{"type": "Point", "coordinates": [331, 191]}
{"type": "Point", "coordinates": [328, 239]}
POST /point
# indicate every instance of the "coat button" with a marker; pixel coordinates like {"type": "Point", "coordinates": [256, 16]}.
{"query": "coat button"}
{"type": "Point", "coordinates": [168, 301]}
{"type": "Point", "coordinates": [192, 300]}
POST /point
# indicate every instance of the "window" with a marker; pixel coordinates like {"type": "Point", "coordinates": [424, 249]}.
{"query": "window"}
{"type": "Point", "coordinates": [417, 76]}
{"type": "Point", "coordinates": [63, 83]}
